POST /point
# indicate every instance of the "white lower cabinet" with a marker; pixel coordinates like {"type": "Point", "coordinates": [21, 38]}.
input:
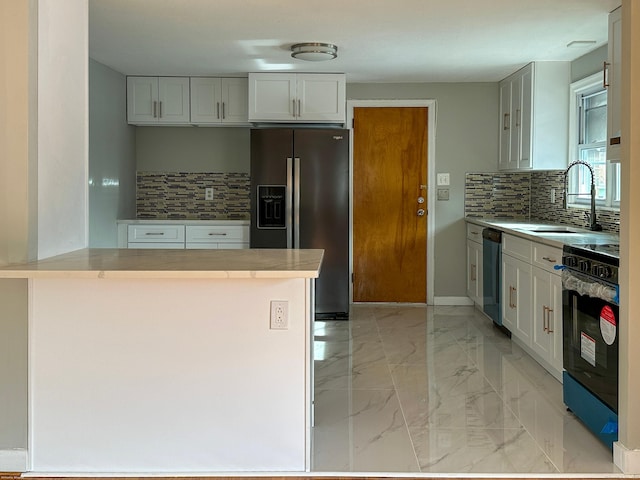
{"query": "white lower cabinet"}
{"type": "Point", "coordinates": [532, 299]}
{"type": "Point", "coordinates": [223, 235]}
{"type": "Point", "coordinates": [546, 339]}
{"type": "Point", "coordinates": [474, 264]}
{"type": "Point", "coordinates": [516, 297]}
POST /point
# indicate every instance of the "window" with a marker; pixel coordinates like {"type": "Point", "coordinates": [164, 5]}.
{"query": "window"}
{"type": "Point", "coordinates": [588, 142]}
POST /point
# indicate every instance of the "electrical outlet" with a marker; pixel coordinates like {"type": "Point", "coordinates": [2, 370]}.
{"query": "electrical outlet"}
{"type": "Point", "coordinates": [279, 315]}
{"type": "Point", "coordinates": [208, 193]}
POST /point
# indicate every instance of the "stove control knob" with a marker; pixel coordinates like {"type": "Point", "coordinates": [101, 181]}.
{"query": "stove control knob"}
{"type": "Point", "coordinates": [570, 261]}
{"type": "Point", "coordinates": [601, 271]}
{"type": "Point", "coordinates": [584, 266]}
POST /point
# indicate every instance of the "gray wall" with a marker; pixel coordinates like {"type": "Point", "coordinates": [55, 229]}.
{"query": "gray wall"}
{"type": "Point", "coordinates": [466, 141]}
{"type": "Point", "coordinates": [589, 63]}
{"type": "Point", "coordinates": [112, 172]}
{"type": "Point", "coordinates": [193, 149]}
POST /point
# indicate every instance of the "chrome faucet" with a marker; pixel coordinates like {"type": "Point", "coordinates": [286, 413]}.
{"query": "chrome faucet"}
{"type": "Point", "coordinates": [593, 224]}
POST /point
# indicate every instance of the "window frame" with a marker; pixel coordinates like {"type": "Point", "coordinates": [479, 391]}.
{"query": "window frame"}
{"type": "Point", "coordinates": [587, 85]}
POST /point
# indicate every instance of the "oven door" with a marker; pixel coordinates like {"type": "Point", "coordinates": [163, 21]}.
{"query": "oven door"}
{"type": "Point", "coordinates": [590, 353]}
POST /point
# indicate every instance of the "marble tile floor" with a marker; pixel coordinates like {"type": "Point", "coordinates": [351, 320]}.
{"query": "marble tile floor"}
{"type": "Point", "coordinates": [415, 389]}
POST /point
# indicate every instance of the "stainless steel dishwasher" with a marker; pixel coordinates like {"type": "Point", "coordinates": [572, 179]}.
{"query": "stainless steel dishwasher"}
{"type": "Point", "coordinates": [492, 275]}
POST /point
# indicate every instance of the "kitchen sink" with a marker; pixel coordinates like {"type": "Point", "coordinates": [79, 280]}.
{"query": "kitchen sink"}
{"type": "Point", "coordinates": [562, 230]}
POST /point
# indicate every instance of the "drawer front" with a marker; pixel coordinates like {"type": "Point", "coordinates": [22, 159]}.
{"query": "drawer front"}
{"type": "Point", "coordinates": [156, 233]}
{"type": "Point", "coordinates": [517, 247]}
{"type": "Point", "coordinates": [547, 257]}
{"type": "Point", "coordinates": [474, 232]}
{"type": "Point", "coordinates": [214, 246]}
{"type": "Point", "coordinates": [217, 234]}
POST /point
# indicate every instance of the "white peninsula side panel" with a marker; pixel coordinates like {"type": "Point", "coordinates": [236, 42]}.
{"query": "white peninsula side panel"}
{"type": "Point", "coordinates": [168, 375]}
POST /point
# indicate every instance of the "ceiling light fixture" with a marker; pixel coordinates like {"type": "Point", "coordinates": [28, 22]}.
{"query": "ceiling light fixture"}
{"type": "Point", "coordinates": [581, 43]}
{"type": "Point", "coordinates": [314, 52]}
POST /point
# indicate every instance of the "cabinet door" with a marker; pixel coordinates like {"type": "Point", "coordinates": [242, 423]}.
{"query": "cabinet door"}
{"type": "Point", "coordinates": [142, 99]}
{"type": "Point", "coordinates": [472, 270]}
{"type": "Point", "coordinates": [272, 97]}
{"type": "Point", "coordinates": [235, 100]}
{"type": "Point", "coordinates": [506, 134]}
{"type": "Point", "coordinates": [173, 100]}
{"type": "Point", "coordinates": [516, 122]}
{"type": "Point", "coordinates": [206, 100]}
{"type": "Point", "coordinates": [525, 117]}
{"type": "Point", "coordinates": [555, 324]}
{"type": "Point", "coordinates": [321, 97]}
{"type": "Point", "coordinates": [541, 340]}
{"type": "Point", "coordinates": [613, 79]}
{"type": "Point", "coordinates": [516, 299]}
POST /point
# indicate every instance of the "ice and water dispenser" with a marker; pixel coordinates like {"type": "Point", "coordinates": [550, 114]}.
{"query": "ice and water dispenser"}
{"type": "Point", "coordinates": [271, 206]}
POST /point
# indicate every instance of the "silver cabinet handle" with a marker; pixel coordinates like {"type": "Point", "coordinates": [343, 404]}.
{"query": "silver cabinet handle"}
{"type": "Point", "coordinates": [605, 70]}
{"type": "Point", "coordinates": [549, 310]}
{"type": "Point", "coordinates": [154, 233]}
{"type": "Point", "coordinates": [218, 110]}
{"type": "Point", "coordinates": [299, 108]}
{"type": "Point", "coordinates": [155, 109]}
{"type": "Point", "coordinates": [223, 115]}
{"type": "Point", "coordinates": [518, 117]}
{"type": "Point", "coordinates": [160, 110]}
{"type": "Point", "coordinates": [217, 234]}
{"type": "Point", "coordinates": [506, 121]}
{"type": "Point", "coordinates": [545, 318]}
{"type": "Point", "coordinates": [294, 107]}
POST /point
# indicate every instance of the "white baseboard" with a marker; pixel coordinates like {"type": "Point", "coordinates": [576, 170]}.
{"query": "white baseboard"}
{"type": "Point", "coordinates": [14, 460]}
{"type": "Point", "coordinates": [458, 301]}
{"type": "Point", "coordinates": [626, 460]}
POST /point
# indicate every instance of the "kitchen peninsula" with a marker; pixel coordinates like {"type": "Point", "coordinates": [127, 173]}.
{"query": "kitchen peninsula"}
{"type": "Point", "coordinates": [164, 361]}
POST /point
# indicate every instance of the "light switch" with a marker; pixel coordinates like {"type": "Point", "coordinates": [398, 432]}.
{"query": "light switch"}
{"type": "Point", "coordinates": [442, 179]}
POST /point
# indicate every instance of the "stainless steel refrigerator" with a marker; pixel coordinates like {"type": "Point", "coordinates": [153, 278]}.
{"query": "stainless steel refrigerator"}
{"type": "Point", "coordinates": [300, 199]}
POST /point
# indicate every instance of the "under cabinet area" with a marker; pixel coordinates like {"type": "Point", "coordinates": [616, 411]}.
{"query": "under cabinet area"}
{"type": "Point", "coordinates": [297, 97]}
{"type": "Point", "coordinates": [533, 110]}
{"type": "Point", "coordinates": [158, 100]}
{"type": "Point", "coordinates": [192, 234]}
{"type": "Point", "coordinates": [474, 264]}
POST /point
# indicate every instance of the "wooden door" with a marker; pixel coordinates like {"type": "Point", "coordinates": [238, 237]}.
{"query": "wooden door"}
{"type": "Point", "coordinates": [389, 176]}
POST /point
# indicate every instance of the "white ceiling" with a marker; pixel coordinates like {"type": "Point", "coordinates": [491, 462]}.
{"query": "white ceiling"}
{"type": "Point", "coordinates": [378, 40]}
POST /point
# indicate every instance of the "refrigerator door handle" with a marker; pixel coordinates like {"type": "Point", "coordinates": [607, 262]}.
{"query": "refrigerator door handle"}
{"type": "Point", "coordinates": [289, 202]}
{"type": "Point", "coordinates": [296, 203]}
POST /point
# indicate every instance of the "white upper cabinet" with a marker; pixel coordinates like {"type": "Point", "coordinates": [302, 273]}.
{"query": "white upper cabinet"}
{"type": "Point", "coordinates": [612, 80]}
{"type": "Point", "coordinates": [219, 100]}
{"type": "Point", "coordinates": [301, 97]}
{"type": "Point", "coordinates": [158, 100]}
{"type": "Point", "coordinates": [534, 117]}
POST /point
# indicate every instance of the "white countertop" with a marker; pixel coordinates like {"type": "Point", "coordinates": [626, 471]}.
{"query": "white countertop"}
{"type": "Point", "coordinates": [147, 221]}
{"type": "Point", "coordinates": [522, 228]}
{"type": "Point", "coordinates": [143, 263]}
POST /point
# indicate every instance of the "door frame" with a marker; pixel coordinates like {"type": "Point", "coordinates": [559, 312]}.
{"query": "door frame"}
{"type": "Point", "coordinates": [431, 169]}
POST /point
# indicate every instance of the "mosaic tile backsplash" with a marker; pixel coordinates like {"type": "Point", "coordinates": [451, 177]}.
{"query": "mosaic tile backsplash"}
{"type": "Point", "coordinates": [180, 195]}
{"type": "Point", "coordinates": [527, 196]}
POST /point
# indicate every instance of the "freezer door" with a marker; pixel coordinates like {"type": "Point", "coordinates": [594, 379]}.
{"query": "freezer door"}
{"type": "Point", "coordinates": [270, 149]}
{"type": "Point", "coordinates": [321, 166]}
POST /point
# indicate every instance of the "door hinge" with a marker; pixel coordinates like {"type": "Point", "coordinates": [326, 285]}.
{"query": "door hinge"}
{"type": "Point", "coordinates": [352, 277]}
{"type": "Point", "coordinates": [353, 123]}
